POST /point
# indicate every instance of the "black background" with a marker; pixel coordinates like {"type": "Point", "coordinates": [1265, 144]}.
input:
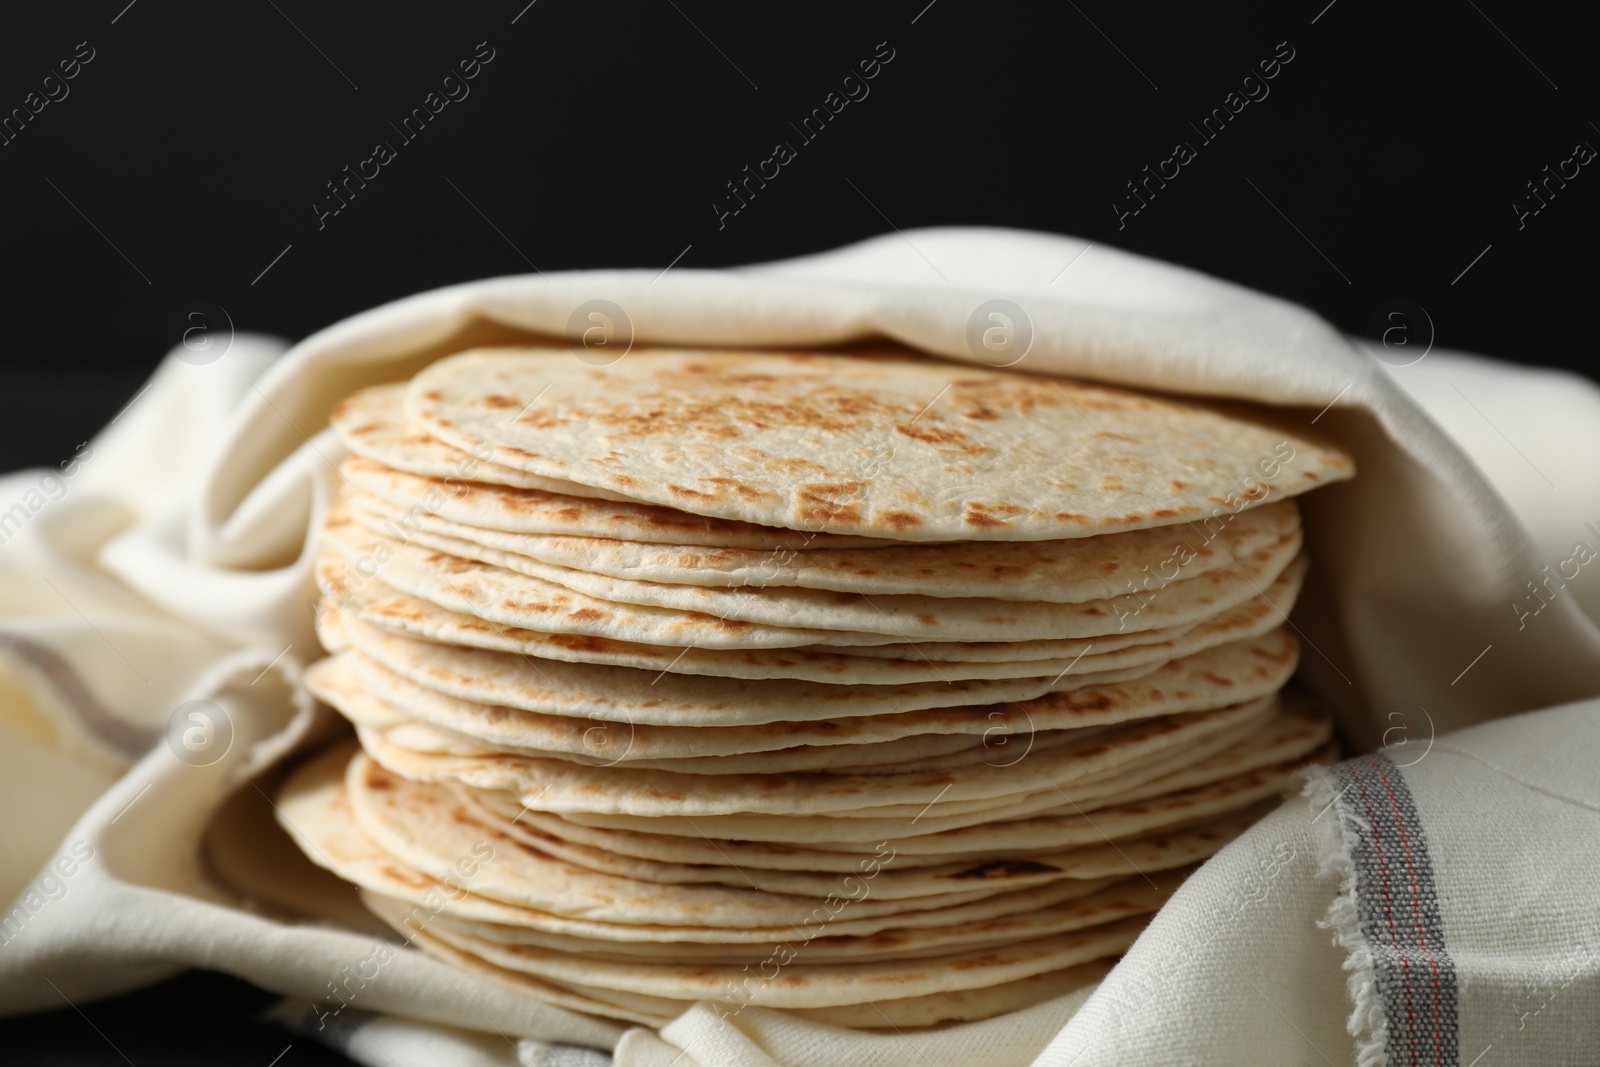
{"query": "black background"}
{"type": "Point", "coordinates": [189, 152]}
{"type": "Point", "coordinates": [200, 135]}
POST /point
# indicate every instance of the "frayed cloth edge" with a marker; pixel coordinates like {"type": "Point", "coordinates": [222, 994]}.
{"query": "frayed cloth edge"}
{"type": "Point", "coordinates": [1366, 1023]}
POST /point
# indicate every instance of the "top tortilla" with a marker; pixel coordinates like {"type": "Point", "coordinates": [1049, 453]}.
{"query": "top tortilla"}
{"type": "Point", "coordinates": [371, 424]}
{"type": "Point", "coordinates": [913, 450]}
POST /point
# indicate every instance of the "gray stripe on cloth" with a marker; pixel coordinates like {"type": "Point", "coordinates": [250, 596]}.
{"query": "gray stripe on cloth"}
{"type": "Point", "coordinates": [1398, 911]}
{"type": "Point", "coordinates": [122, 737]}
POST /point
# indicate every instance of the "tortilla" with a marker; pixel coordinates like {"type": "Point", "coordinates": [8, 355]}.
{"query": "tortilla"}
{"type": "Point", "coordinates": [371, 424]}
{"type": "Point", "coordinates": [989, 841]}
{"type": "Point", "coordinates": [536, 511]}
{"type": "Point", "coordinates": [566, 786]}
{"type": "Point", "coordinates": [1217, 676]}
{"type": "Point", "coordinates": [913, 450]}
{"type": "Point", "coordinates": [314, 808]}
{"type": "Point", "coordinates": [382, 606]}
{"type": "Point", "coordinates": [656, 613]}
{"type": "Point", "coordinates": [1118, 900]}
{"type": "Point", "coordinates": [1291, 733]}
{"type": "Point", "coordinates": [878, 689]}
{"type": "Point", "coordinates": [1069, 571]}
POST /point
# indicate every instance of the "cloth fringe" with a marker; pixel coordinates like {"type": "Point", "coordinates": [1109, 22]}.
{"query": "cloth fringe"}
{"type": "Point", "coordinates": [1366, 1023]}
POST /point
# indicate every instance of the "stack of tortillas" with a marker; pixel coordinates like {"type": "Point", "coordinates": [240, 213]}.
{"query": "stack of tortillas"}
{"type": "Point", "coordinates": [880, 689]}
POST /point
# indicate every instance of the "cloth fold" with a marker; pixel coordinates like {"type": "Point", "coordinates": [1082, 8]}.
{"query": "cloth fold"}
{"type": "Point", "coordinates": [166, 576]}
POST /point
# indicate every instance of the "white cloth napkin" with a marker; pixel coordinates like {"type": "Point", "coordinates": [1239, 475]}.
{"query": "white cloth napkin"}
{"type": "Point", "coordinates": [168, 564]}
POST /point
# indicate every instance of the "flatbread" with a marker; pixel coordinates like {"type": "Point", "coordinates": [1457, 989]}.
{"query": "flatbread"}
{"type": "Point", "coordinates": [371, 424]}
{"type": "Point", "coordinates": [915, 450]}
{"type": "Point", "coordinates": [426, 826]}
{"type": "Point", "coordinates": [1070, 571]}
{"type": "Point", "coordinates": [364, 692]}
{"type": "Point", "coordinates": [657, 613]}
{"type": "Point", "coordinates": [1130, 897]}
{"type": "Point", "coordinates": [418, 824]}
{"type": "Point", "coordinates": [389, 609]}
{"type": "Point", "coordinates": [898, 1014]}
{"type": "Point", "coordinates": [1109, 853]}
{"type": "Point", "coordinates": [852, 610]}
{"type": "Point", "coordinates": [1225, 674]}
{"type": "Point", "coordinates": [1016, 838]}
{"type": "Point", "coordinates": [928, 683]}
{"type": "Point", "coordinates": [812, 986]}
{"type": "Point", "coordinates": [1294, 732]}
{"type": "Point", "coordinates": [314, 808]}
{"type": "Point", "coordinates": [535, 511]}
{"type": "Point", "coordinates": [928, 751]}
{"type": "Point", "coordinates": [569, 787]}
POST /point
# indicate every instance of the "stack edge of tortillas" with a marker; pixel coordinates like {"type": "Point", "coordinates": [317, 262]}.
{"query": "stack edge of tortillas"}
{"type": "Point", "coordinates": [882, 690]}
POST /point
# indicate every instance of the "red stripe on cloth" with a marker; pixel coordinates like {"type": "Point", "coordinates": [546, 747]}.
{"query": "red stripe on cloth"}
{"type": "Point", "coordinates": [1416, 903]}
{"type": "Point", "coordinates": [1388, 913]}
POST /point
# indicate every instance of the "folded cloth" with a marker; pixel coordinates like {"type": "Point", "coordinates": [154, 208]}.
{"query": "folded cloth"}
{"type": "Point", "coordinates": [158, 589]}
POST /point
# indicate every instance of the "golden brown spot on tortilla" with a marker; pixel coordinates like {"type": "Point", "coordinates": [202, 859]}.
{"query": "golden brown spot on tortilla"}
{"type": "Point", "coordinates": [1179, 485]}
{"type": "Point", "coordinates": [1073, 700]}
{"type": "Point", "coordinates": [577, 642]}
{"type": "Point", "coordinates": [898, 520]}
{"type": "Point", "coordinates": [1287, 654]}
{"type": "Point", "coordinates": [882, 939]}
{"type": "Point", "coordinates": [790, 464]}
{"type": "Point", "coordinates": [586, 615]}
{"type": "Point", "coordinates": [744, 491]}
{"type": "Point", "coordinates": [496, 400]}
{"type": "Point", "coordinates": [732, 379]}
{"type": "Point", "coordinates": [936, 435]}
{"type": "Point", "coordinates": [828, 511]}
{"type": "Point", "coordinates": [405, 877]}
